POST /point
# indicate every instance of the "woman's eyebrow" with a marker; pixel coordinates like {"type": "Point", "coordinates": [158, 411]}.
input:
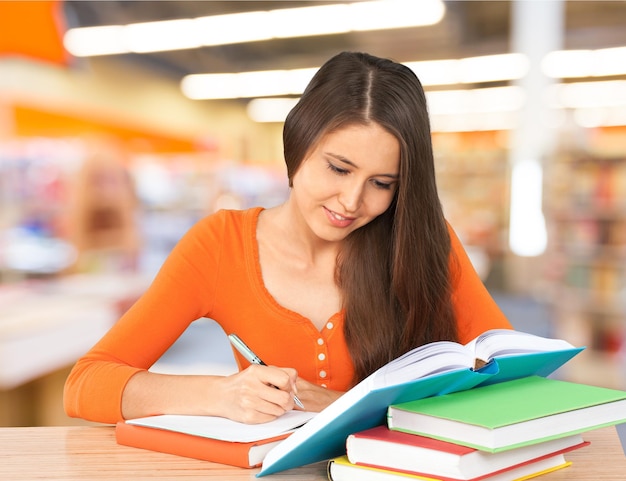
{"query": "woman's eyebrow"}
{"type": "Point", "coordinates": [343, 159]}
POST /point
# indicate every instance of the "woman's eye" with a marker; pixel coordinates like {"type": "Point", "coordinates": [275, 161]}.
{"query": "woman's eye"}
{"type": "Point", "coordinates": [381, 185]}
{"type": "Point", "coordinates": [337, 170]}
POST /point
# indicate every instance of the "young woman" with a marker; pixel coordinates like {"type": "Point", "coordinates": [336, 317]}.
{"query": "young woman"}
{"type": "Point", "coordinates": [357, 267]}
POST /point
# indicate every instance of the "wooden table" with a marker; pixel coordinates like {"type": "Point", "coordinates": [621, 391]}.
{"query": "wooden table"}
{"type": "Point", "coordinates": [91, 453]}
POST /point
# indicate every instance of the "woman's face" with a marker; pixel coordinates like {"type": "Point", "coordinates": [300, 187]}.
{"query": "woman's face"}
{"type": "Point", "coordinates": [348, 179]}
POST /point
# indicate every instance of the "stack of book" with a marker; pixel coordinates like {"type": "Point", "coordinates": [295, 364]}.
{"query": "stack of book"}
{"type": "Point", "coordinates": [507, 431]}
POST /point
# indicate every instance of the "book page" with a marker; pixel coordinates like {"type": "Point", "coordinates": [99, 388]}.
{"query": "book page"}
{"type": "Point", "coordinates": [225, 429]}
{"type": "Point", "coordinates": [426, 360]}
{"type": "Point", "coordinates": [507, 342]}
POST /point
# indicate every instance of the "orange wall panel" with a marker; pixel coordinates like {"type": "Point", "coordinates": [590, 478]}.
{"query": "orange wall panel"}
{"type": "Point", "coordinates": [33, 29]}
{"type": "Point", "coordinates": [32, 122]}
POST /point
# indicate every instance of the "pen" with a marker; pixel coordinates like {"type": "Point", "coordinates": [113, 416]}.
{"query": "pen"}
{"type": "Point", "coordinates": [254, 359]}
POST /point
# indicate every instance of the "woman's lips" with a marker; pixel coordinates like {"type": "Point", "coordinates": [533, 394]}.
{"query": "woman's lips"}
{"type": "Point", "coordinates": [338, 220]}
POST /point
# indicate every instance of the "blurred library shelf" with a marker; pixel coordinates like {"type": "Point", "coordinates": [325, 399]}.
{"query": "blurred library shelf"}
{"type": "Point", "coordinates": [585, 269]}
{"type": "Point", "coordinates": [473, 176]}
{"type": "Point", "coordinates": [45, 325]}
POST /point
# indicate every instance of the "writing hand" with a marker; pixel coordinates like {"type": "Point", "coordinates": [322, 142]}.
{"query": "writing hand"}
{"type": "Point", "coordinates": [246, 352]}
{"type": "Point", "coordinates": [258, 394]}
{"type": "Point", "coordinates": [315, 397]}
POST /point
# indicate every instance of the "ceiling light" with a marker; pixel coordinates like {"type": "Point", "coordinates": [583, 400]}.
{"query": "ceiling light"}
{"type": "Point", "coordinates": [495, 99]}
{"type": "Point", "coordinates": [609, 61]}
{"type": "Point", "coordinates": [567, 63]}
{"type": "Point", "coordinates": [234, 28]}
{"type": "Point", "coordinates": [600, 117]}
{"type": "Point", "coordinates": [310, 21]}
{"type": "Point", "coordinates": [493, 68]}
{"type": "Point", "coordinates": [89, 41]}
{"type": "Point", "coordinates": [270, 110]}
{"type": "Point", "coordinates": [487, 68]}
{"type": "Point", "coordinates": [252, 26]}
{"type": "Point", "coordinates": [585, 63]}
{"type": "Point", "coordinates": [246, 84]}
{"type": "Point", "coordinates": [395, 14]}
{"type": "Point", "coordinates": [160, 36]}
{"type": "Point", "coordinates": [473, 122]}
{"type": "Point", "coordinates": [588, 94]}
{"type": "Point", "coordinates": [436, 72]}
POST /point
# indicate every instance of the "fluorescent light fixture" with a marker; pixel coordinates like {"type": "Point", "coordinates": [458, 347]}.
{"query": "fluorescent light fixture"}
{"type": "Point", "coordinates": [395, 14]}
{"type": "Point", "coordinates": [436, 72]}
{"type": "Point", "coordinates": [610, 61]}
{"type": "Point", "coordinates": [160, 36]}
{"type": "Point", "coordinates": [486, 68]}
{"type": "Point", "coordinates": [310, 21]}
{"type": "Point", "coordinates": [492, 68]}
{"type": "Point", "coordinates": [585, 63]}
{"type": "Point", "coordinates": [473, 122]}
{"type": "Point", "coordinates": [92, 41]}
{"type": "Point", "coordinates": [234, 28]}
{"type": "Point", "coordinates": [527, 230]}
{"type": "Point", "coordinates": [331, 18]}
{"type": "Point", "coordinates": [600, 117]}
{"type": "Point", "coordinates": [567, 63]}
{"type": "Point", "coordinates": [246, 84]}
{"type": "Point", "coordinates": [577, 95]}
{"type": "Point", "coordinates": [495, 99]}
{"type": "Point", "coordinates": [270, 110]}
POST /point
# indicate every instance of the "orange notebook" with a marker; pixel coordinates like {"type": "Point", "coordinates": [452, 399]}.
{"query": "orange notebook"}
{"type": "Point", "coordinates": [244, 455]}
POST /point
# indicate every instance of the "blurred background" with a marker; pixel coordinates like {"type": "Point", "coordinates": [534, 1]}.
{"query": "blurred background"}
{"type": "Point", "coordinates": [124, 122]}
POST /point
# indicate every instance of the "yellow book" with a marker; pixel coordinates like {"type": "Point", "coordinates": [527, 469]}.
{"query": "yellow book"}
{"type": "Point", "coordinates": [340, 469]}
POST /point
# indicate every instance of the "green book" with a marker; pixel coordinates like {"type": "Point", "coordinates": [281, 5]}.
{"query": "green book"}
{"type": "Point", "coordinates": [511, 414]}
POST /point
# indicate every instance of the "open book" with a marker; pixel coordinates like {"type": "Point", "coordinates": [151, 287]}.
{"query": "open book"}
{"type": "Point", "coordinates": [433, 369]}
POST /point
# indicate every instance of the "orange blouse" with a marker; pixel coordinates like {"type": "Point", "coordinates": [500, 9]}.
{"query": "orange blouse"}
{"type": "Point", "coordinates": [214, 272]}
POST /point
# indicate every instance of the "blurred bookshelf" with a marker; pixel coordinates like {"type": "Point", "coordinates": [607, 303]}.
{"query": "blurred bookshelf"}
{"type": "Point", "coordinates": [473, 182]}
{"type": "Point", "coordinates": [585, 270]}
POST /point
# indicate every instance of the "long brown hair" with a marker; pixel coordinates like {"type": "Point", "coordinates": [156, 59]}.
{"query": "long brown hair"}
{"type": "Point", "coordinates": [394, 272]}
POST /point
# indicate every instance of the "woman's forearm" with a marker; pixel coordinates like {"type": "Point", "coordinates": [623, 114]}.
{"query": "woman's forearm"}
{"type": "Point", "coordinates": [148, 393]}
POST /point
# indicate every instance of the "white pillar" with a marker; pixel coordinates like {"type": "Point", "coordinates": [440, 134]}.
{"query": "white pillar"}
{"type": "Point", "coordinates": [536, 30]}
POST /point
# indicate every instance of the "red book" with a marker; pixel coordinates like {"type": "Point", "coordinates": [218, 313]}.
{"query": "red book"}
{"type": "Point", "coordinates": [382, 448]}
{"type": "Point", "coordinates": [241, 454]}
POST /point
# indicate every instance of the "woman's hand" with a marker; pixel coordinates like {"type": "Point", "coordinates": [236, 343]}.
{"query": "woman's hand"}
{"type": "Point", "coordinates": [314, 397]}
{"type": "Point", "coordinates": [257, 394]}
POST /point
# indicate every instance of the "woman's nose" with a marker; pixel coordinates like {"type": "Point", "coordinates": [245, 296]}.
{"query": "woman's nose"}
{"type": "Point", "coordinates": [351, 196]}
